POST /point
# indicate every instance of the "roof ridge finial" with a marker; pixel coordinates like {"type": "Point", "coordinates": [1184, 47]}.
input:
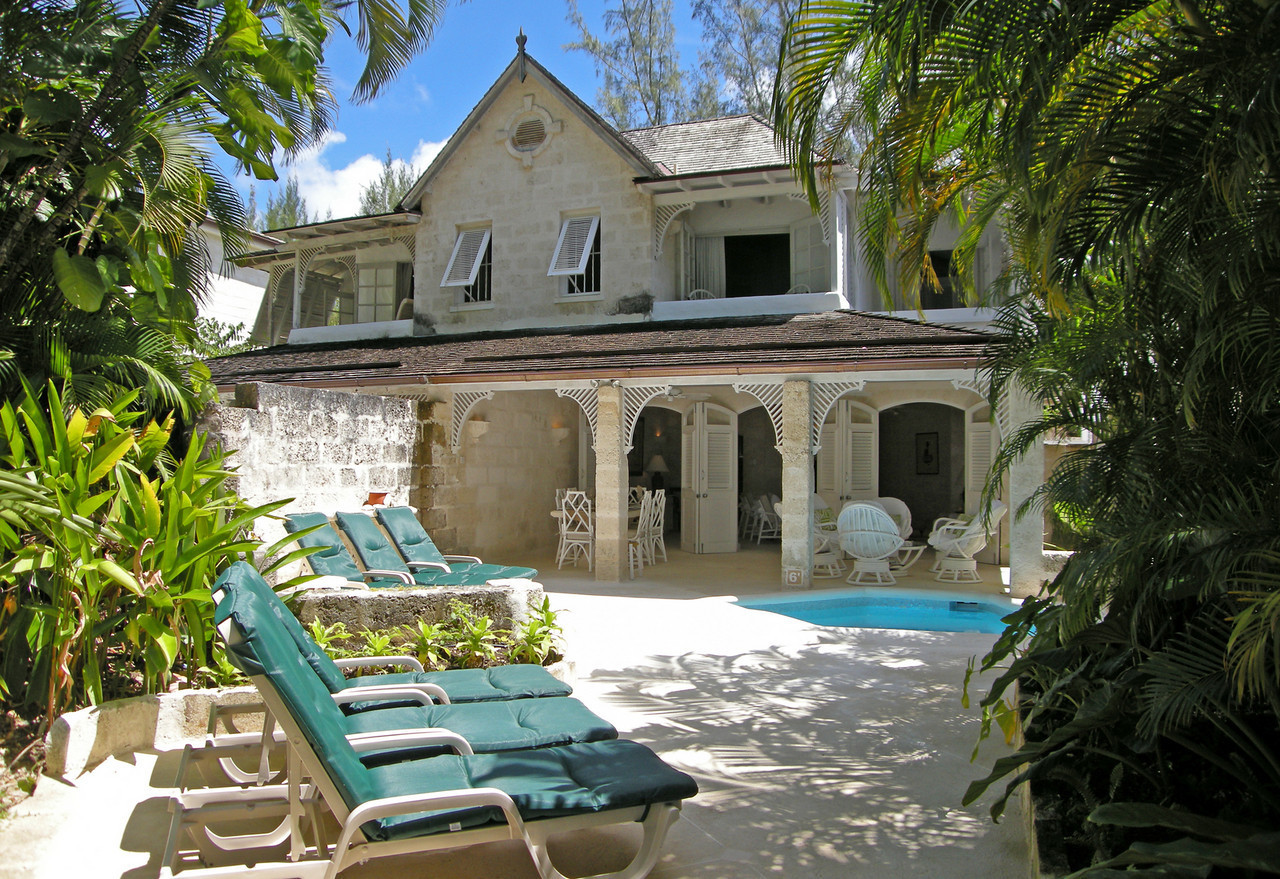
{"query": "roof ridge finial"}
{"type": "Point", "coordinates": [521, 39]}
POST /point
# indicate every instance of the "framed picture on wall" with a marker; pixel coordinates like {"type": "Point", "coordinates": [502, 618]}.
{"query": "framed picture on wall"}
{"type": "Point", "coordinates": [927, 454]}
{"type": "Point", "coordinates": [635, 457]}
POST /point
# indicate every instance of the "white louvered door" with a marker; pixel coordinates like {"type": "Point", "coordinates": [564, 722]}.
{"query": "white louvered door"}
{"type": "Point", "coordinates": [848, 463]}
{"type": "Point", "coordinates": [709, 493]}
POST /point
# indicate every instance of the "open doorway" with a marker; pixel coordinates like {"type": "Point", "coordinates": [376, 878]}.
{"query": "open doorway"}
{"type": "Point", "coordinates": [922, 460]}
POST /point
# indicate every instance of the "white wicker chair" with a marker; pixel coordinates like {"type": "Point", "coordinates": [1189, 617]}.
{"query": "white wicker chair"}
{"type": "Point", "coordinates": [768, 522]}
{"type": "Point", "coordinates": [869, 535]}
{"type": "Point", "coordinates": [637, 542]}
{"type": "Point", "coordinates": [956, 541]}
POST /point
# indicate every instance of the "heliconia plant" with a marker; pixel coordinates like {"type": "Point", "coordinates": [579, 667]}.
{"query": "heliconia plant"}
{"type": "Point", "coordinates": [110, 542]}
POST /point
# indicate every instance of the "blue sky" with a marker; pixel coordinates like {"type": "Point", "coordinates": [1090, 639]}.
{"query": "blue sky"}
{"type": "Point", "coordinates": [418, 113]}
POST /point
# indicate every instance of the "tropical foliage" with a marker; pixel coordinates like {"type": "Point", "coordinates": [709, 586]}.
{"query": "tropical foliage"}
{"type": "Point", "coordinates": [111, 115]}
{"type": "Point", "coordinates": [464, 639]}
{"type": "Point", "coordinates": [109, 544]}
{"type": "Point", "coordinates": [1130, 152]}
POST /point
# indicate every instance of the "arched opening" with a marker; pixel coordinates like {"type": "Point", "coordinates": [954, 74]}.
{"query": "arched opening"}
{"type": "Point", "coordinates": [922, 460]}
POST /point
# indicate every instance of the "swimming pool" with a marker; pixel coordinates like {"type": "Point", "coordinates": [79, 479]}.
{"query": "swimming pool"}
{"type": "Point", "coordinates": [893, 609]}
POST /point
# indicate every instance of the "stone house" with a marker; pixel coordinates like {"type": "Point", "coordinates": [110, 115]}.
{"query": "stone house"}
{"type": "Point", "coordinates": [570, 305]}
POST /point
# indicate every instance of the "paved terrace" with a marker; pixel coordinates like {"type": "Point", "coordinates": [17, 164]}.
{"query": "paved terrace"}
{"type": "Point", "coordinates": [820, 752]}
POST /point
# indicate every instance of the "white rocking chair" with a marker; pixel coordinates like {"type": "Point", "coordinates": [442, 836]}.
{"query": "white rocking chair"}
{"type": "Point", "coordinates": [956, 541]}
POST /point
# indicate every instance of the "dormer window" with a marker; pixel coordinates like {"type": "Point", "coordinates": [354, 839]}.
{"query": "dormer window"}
{"type": "Point", "coordinates": [470, 265]}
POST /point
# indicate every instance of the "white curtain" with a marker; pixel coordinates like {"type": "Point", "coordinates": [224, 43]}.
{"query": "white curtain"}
{"type": "Point", "coordinates": [708, 270]}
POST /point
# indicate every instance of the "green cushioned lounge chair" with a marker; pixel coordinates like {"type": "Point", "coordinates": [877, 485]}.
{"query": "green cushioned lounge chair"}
{"type": "Point", "coordinates": [405, 699]}
{"type": "Point", "coordinates": [416, 546]}
{"type": "Point", "coordinates": [499, 683]}
{"type": "Point", "coordinates": [419, 804]}
{"type": "Point", "coordinates": [376, 552]}
{"type": "Point", "coordinates": [314, 531]}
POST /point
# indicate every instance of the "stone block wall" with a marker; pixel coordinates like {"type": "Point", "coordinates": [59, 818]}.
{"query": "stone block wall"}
{"type": "Point", "coordinates": [577, 173]}
{"type": "Point", "coordinates": [325, 449]}
{"type": "Point", "coordinates": [494, 499]}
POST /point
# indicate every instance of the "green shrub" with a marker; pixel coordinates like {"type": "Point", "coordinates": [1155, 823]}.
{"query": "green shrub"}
{"type": "Point", "coordinates": [465, 640]}
{"type": "Point", "coordinates": [111, 543]}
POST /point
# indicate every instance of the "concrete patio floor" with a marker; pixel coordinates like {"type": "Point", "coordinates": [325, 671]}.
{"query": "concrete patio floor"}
{"type": "Point", "coordinates": [824, 752]}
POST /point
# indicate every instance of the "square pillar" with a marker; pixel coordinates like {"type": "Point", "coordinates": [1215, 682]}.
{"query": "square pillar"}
{"type": "Point", "coordinates": [1026, 532]}
{"type": "Point", "coordinates": [611, 485]}
{"type": "Point", "coordinates": [797, 485]}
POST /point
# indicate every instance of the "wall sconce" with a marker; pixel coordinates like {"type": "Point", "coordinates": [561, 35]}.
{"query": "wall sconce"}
{"type": "Point", "coordinates": [477, 428]}
{"type": "Point", "coordinates": [560, 434]}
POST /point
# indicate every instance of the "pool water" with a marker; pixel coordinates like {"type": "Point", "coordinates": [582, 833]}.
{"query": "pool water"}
{"type": "Point", "coordinates": [929, 612]}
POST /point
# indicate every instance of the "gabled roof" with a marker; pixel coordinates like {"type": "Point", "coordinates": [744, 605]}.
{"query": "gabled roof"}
{"type": "Point", "coordinates": [524, 62]}
{"type": "Point", "coordinates": [729, 143]}
{"type": "Point", "coordinates": [832, 341]}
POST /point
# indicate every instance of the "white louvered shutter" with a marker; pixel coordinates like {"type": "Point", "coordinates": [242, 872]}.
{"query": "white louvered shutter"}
{"type": "Point", "coordinates": [720, 461]}
{"type": "Point", "coordinates": [980, 438]}
{"type": "Point", "coordinates": [862, 461]}
{"type": "Point", "coordinates": [468, 253]}
{"type": "Point", "coordinates": [574, 246]}
{"type": "Point", "coordinates": [827, 456]}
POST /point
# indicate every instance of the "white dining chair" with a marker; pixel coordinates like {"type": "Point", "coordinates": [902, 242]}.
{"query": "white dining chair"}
{"type": "Point", "coordinates": [577, 530]}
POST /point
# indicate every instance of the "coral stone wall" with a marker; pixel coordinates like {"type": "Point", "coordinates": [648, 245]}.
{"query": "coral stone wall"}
{"type": "Point", "coordinates": [326, 450]}
{"type": "Point", "coordinates": [577, 173]}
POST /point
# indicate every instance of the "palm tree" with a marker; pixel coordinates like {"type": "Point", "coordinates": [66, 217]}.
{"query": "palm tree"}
{"type": "Point", "coordinates": [1127, 151]}
{"type": "Point", "coordinates": [106, 163]}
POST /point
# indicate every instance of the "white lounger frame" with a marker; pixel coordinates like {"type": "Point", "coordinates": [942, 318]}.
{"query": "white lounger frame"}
{"type": "Point", "coordinates": [193, 813]}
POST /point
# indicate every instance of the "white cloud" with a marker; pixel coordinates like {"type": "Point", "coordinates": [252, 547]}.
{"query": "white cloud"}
{"type": "Point", "coordinates": [336, 192]}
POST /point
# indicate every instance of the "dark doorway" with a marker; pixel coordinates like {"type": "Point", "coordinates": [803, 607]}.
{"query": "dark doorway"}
{"type": "Point", "coordinates": [757, 265]}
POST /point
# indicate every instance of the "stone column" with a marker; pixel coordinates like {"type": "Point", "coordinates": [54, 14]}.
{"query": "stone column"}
{"type": "Point", "coordinates": [1026, 532]}
{"type": "Point", "coordinates": [611, 485]}
{"type": "Point", "coordinates": [797, 486]}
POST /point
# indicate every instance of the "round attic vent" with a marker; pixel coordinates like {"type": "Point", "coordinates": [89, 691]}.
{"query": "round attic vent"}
{"type": "Point", "coordinates": [529, 135]}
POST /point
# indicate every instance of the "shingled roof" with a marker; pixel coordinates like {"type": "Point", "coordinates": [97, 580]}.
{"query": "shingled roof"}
{"type": "Point", "coordinates": [839, 341]}
{"type": "Point", "coordinates": [730, 143]}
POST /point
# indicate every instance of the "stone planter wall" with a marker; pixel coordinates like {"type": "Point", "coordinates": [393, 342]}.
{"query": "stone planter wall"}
{"type": "Point", "coordinates": [506, 602]}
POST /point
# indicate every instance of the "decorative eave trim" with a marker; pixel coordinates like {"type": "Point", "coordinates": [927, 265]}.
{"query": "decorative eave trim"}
{"type": "Point", "coordinates": [663, 217]}
{"type": "Point", "coordinates": [824, 395]}
{"type": "Point", "coordinates": [588, 400]}
{"type": "Point", "coordinates": [463, 403]}
{"type": "Point", "coordinates": [1003, 419]}
{"type": "Point", "coordinates": [634, 400]}
{"type": "Point", "coordinates": [770, 396]}
{"type": "Point", "coordinates": [824, 211]}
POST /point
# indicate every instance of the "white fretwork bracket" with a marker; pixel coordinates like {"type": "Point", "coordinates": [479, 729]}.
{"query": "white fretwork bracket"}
{"type": "Point", "coordinates": [588, 401]}
{"type": "Point", "coordinates": [824, 395]}
{"type": "Point", "coordinates": [663, 217]}
{"type": "Point", "coordinates": [463, 403]}
{"type": "Point", "coordinates": [982, 389]}
{"type": "Point", "coordinates": [824, 212]}
{"type": "Point", "coordinates": [633, 401]}
{"type": "Point", "coordinates": [770, 395]}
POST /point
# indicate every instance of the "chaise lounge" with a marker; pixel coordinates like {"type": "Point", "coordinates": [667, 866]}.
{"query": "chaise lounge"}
{"type": "Point", "coordinates": [383, 566]}
{"type": "Point", "coordinates": [417, 804]}
{"type": "Point", "coordinates": [418, 549]}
